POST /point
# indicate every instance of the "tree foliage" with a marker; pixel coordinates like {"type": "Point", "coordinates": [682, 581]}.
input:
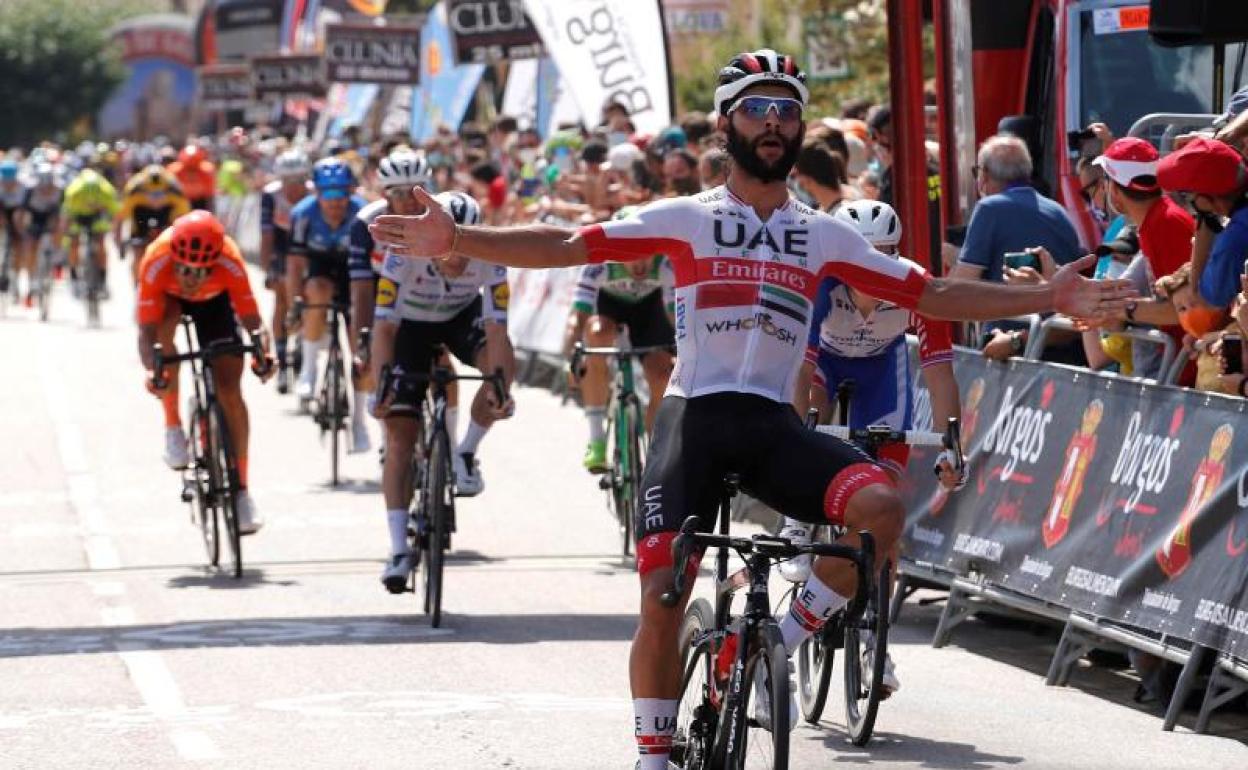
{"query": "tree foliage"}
{"type": "Point", "coordinates": [855, 30]}
{"type": "Point", "coordinates": [57, 65]}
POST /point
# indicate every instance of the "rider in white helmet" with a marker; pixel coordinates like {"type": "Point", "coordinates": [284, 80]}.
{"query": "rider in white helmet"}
{"type": "Point", "coordinates": [856, 337]}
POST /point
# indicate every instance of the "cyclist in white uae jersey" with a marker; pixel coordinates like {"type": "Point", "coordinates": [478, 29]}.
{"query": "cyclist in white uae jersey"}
{"type": "Point", "coordinates": [740, 253]}
{"type": "Point", "coordinates": [422, 304]}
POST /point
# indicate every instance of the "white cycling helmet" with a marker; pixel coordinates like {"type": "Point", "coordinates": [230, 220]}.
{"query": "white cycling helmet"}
{"type": "Point", "coordinates": [874, 220]}
{"type": "Point", "coordinates": [462, 207]}
{"type": "Point", "coordinates": [750, 69]}
{"type": "Point", "coordinates": [404, 168]}
{"type": "Point", "coordinates": [292, 163]}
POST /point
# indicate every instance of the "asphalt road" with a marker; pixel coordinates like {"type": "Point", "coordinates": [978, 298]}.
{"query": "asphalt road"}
{"type": "Point", "coordinates": [118, 649]}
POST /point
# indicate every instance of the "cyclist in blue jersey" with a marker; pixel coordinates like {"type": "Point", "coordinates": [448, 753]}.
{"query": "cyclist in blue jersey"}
{"type": "Point", "coordinates": [320, 239]}
{"type": "Point", "coordinates": [854, 336]}
{"type": "Point", "coordinates": [277, 201]}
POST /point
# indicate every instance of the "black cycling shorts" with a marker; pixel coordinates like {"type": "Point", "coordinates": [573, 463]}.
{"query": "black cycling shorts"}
{"type": "Point", "coordinates": [40, 222]}
{"type": "Point", "coordinates": [805, 475]}
{"type": "Point", "coordinates": [647, 320]}
{"type": "Point", "coordinates": [147, 221]}
{"type": "Point", "coordinates": [204, 204]}
{"type": "Point", "coordinates": [335, 271]}
{"type": "Point", "coordinates": [214, 319]}
{"type": "Point", "coordinates": [417, 346]}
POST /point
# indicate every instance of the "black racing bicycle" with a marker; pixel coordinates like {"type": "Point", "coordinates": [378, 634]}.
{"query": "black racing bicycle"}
{"type": "Point", "coordinates": [718, 724]}
{"type": "Point", "coordinates": [862, 638]}
{"type": "Point", "coordinates": [332, 406]}
{"type": "Point", "coordinates": [95, 256]}
{"type": "Point", "coordinates": [626, 429]}
{"type": "Point", "coordinates": [432, 519]}
{"type": "Point", "coordinates": [210, 483]}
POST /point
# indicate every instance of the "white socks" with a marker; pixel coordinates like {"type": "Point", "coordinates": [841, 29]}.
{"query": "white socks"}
{"type": "Point", "coordinates": [597, 417]}
{"type": "Point", "coordinates": [452, 423]}
{"type": "Point", "coordinates": [655, 724]}
{"type": "Point", "coordinates": [311, 351]}
{"type": "Point", "coordinates": [359, 408]}
{"type": "Point", "coordinates": [814, 604]}
{"type": "Point", "coordinates": [397, 519]}
{"type": "Point", "coordinates": [472, 437]}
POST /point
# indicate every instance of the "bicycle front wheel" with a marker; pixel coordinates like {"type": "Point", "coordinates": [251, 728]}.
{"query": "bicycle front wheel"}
{"type": "Point", "coordinates": [814, 674]}
{"type": "Point", "coordinates": [764, 747]}
{"type": "Point", "coordinates": [203, 505]}
{"type": "Point", "coordinates": [95, 283]}
{"type": "Point", "coordinates": [697, 711]}
{"type": "Point", "coordinates": [227, 488]}
{"type": "Point", "coordinates": [438, 509]}
{"type": "Point", "coordinates": [44, 284]}
{"type": "Point", "coordinates": [866, 655]}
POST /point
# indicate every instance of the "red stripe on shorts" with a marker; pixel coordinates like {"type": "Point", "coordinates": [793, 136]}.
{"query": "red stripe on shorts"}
{"type": "Point", "coordinates": [846, 484]}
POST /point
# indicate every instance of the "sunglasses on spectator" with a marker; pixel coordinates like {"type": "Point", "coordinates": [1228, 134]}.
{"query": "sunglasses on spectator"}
{"type": "Point", "coordinates": [186, 271]}
{"type": "Point", "coordinates": [1086, 190]}
{"type": "Point", "coordinates": [756, 108]}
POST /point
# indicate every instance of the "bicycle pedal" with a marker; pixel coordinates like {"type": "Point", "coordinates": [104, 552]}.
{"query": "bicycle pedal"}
{"type": "Point", "coordinates": [604, 483]}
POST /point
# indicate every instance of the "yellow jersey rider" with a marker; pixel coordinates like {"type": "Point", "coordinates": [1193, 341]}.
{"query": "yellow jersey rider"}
{"type": "Point", "coordinates": [151, 200]}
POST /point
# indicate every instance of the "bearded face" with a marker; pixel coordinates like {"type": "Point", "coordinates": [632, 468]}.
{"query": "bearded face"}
{"type": "Point", "coordinates": [768, 155]}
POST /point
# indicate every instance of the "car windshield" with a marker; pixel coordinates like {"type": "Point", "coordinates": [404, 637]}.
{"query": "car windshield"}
{"type": "Point", "coordinates": [1125, 75]}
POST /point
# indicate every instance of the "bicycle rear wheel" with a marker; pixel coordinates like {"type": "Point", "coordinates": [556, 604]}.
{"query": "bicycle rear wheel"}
{"type": "Point", "coordinates": [697, 713]}
{"type": "Point", "coordinates": [864, 687]}
{"type": "Point", "coordinates": [227, 488]}
{"type": "Point", "coordinates": [762, 748]}
{"type": "Point", "coordinates": [203, 505]}
{"type": "Point", "coordinates": [623, 473]}
{"type": "Point", "coordinates": [438, 508]}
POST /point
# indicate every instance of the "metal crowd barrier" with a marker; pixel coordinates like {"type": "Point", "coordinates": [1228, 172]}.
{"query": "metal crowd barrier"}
{"type": "Point", "coordinates": [1171, 124]}
{"type": "Point", "coordinates": [1035, 343]}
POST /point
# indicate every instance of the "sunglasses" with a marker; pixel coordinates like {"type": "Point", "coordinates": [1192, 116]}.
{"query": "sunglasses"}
{"type": "Point", "coordinates": [399, 193]}
{"type": "Point", "coordinates": [186, 271]}
{"type": "Point", "coordinates": [756, 108]}
{"type": "Point", "coordinates": [1086, 190]}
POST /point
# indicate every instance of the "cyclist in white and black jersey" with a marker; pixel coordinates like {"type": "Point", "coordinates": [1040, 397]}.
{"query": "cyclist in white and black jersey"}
{"type": "Point", "coordinates": [746, 251]}
{"type": "Point", "coordinates": [422, 304]}
{"type": "Point", "coordinates": [276, 201]}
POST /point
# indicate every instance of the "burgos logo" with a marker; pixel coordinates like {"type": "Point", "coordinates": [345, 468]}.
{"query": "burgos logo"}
{"type": "Point", "coordinates": [761, 321]}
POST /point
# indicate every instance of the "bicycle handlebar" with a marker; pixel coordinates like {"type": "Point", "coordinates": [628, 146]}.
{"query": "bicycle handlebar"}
{"type": "Point", "coordinates": [772, 547]}
{"type": "Point", "coordinates": [579, 351]}
{"type": "Point", "coordinates": [439, 375]}
{"type": "Point", "coordinates": [160, 360]}
{"type": "Point", "coordinates": [880, 434]}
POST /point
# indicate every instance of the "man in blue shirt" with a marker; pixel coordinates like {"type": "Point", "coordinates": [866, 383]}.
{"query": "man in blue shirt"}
{"type": "Point", "coordinates": [1216, 176]}
{"type": "Point", "coordinates": [1011, 216]}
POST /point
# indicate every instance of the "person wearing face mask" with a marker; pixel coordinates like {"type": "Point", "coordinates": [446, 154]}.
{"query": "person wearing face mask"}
{"type": "Point", "coordinates": [680, 169]}
{"type": "Point", "coordinates": [1215, 176]}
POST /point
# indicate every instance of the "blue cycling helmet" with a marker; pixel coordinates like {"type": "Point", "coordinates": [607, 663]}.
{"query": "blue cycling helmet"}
{"type": "Point", "coordinates": [331, 174]}
{"type": "Point", "coordinates": [8, 170]}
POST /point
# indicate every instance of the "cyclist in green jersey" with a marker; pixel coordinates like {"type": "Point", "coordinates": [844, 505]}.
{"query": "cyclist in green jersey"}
{"type": "Point", "coordinates": [639, 296]}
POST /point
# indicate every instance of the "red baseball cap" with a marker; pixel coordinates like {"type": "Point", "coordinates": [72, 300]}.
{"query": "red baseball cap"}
{"type": "Point", "coordinates": [1205, 166]}
{"type": "Point", "coordinates": [1131, 162]}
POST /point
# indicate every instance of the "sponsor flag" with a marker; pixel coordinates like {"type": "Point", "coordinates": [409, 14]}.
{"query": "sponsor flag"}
{"type": "Point", "coordinates": [445, 90]}
{"type": "Point", "coordinates": [609, 50]}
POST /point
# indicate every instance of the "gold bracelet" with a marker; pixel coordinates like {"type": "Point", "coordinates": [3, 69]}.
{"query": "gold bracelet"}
{"type": "Point", "coordinates": [454, 242]}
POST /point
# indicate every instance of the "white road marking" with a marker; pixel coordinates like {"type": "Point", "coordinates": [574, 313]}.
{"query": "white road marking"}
{"type": "Point", "coordinates": [146, 668]}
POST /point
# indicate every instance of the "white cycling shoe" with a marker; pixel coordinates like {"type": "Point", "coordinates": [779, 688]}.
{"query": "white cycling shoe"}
{"type": "Point", "coordinates": [398, 567]}
{"type": "Point", "coordinates": [797, 569]}
{"type": "Point", "coordinates": [177, 454]}
{"type": "Point", "coordinates": [249, 519]}
{"type": "Point", "coordinates": [468, 481]}
{"type": "Point", "coordinates": [762, 698]}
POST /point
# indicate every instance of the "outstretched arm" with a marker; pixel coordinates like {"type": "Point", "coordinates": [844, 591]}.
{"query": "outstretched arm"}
{"type": "Point", "coordinates": [435, 234]}
{"type": "Point", "coordinates": [1068, 293]}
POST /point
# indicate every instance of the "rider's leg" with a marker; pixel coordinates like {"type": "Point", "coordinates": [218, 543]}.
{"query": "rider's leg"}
{"type": "Point", "coordinates": [396, 484]}
{"type": "Point", "coordinates": [600, 331]}
{"type": "Point", "coordinates": [452, 399]}
{"type": "Point", "coordinates": [26, 259]}
{"type": "Point", "coordinates": [876, 508]}
{"type": "Point", "coordinates": [480, 419]}
{"type": "Point", "coordinates": [316, 291]}
{"type": "Point", "coordinates": [165, 332]}
{"type": "Point", "coordinates": [101, 255]}
{"type": "Point", "coordinates": [657, 368]}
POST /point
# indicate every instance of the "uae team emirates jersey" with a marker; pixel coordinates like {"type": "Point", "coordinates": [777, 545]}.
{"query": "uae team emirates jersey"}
{"type": "Point", "coordinates": [745, 287]}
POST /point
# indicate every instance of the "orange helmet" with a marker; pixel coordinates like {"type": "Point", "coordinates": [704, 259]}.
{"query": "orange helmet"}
{"type": "Point", "coordinates": [192, 155]}
{"type": "Point", "coordinates": [197, 239]}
